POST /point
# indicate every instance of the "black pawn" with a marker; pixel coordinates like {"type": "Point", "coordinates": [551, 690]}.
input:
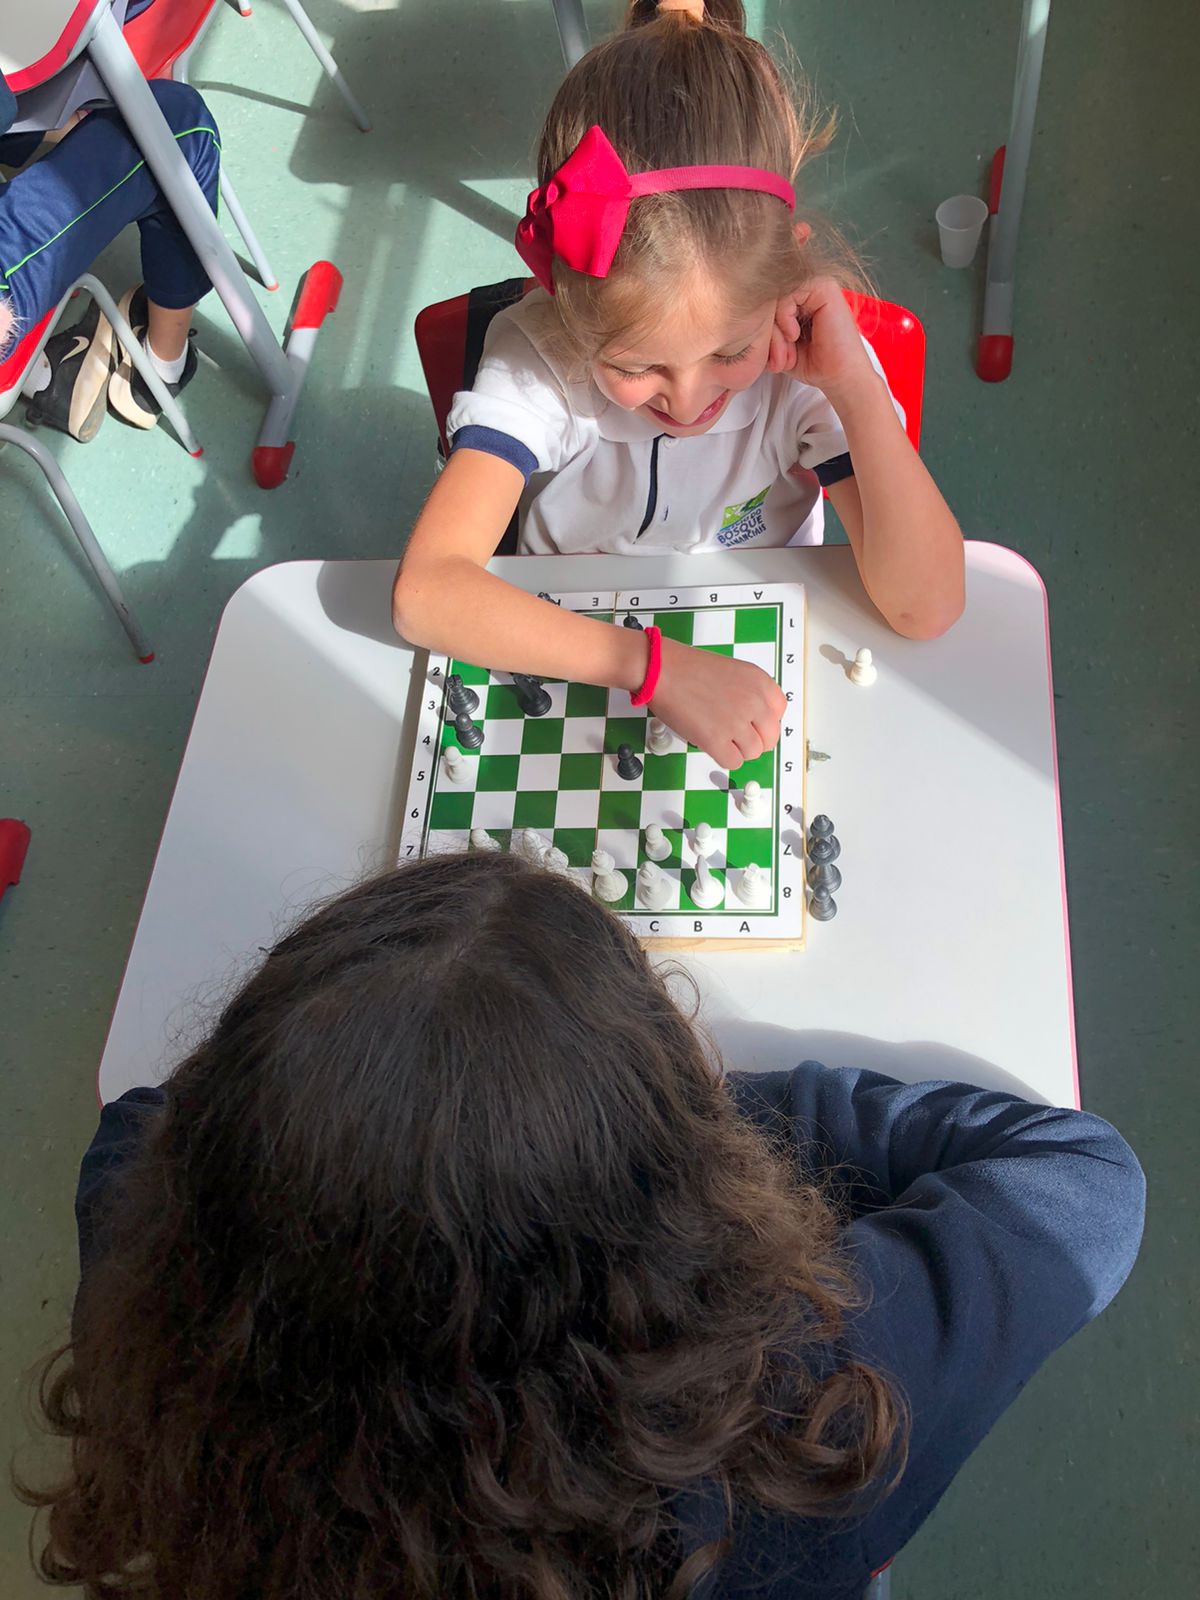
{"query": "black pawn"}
{"type": "Point", "coordinates": [628, 765]}
{"type": "Point", "coordinates": [459, 698]}
{"type": "Point", "coordinates": [824, 875]}
{"type": "Point", "coordinates": [632, 622]}
{"type": "Point", "coordinates": [823, 851]}
{"type": "Point", "coordinates": [824, 846]}
{"type": "Point", "coordinates": [532, 698]}
{"type": "Point", "coordinates": [822, 906]}
{"type": "Point", "coordinates": [820, 828]}
{"type": "Point", "coordinates": [468, 735]}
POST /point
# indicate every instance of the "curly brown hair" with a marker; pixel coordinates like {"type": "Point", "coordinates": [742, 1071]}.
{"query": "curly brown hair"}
{"type": "Point", "coordinates": [447, 1266]}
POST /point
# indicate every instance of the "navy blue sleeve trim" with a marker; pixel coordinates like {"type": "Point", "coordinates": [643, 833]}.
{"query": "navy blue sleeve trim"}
{"type": "Point", "coordinates": [834, 470]}
{"type": "Point", "coordinates": [124, 1123]}
{"type": "Point", "coordinates": [494, 443]}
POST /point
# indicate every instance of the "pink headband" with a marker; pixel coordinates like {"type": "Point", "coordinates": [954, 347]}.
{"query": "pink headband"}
{"type": "Point", "coordinates": [580, 214]}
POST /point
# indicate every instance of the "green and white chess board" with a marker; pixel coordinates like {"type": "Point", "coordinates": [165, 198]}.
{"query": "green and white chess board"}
{"type": "Point", "coordinates": [557, 774]}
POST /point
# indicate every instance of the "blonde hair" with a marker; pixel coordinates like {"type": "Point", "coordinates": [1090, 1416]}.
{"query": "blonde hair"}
{"type": "Point", "coordinates": [677, 89]}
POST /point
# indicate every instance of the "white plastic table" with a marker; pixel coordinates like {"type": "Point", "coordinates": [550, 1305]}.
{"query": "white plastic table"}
{"type": "Point", "coordinates": [949, 956]}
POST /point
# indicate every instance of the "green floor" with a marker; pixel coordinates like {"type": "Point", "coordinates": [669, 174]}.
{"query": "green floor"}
{"type": "Point", "coordinates": [1086, 461]}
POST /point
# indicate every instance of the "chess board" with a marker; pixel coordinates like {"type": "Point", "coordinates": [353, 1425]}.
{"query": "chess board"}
{"type": "Point", "coordinates": [557, 773]}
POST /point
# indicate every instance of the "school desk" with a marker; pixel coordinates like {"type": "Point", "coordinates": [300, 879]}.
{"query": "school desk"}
{"type": "Point", "coordinates": [949, 956]}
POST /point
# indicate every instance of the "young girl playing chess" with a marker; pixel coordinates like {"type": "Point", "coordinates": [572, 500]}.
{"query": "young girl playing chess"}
{"type": "Point", "coordinates": [448, 1267]}
{"type": "Point", "coordinates": [687, 377]}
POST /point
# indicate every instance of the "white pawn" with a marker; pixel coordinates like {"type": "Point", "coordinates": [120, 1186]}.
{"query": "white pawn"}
{"type": "Point", "coordinates": [653, 887]}
{"type": "Point", "coordinates": [556, 860]}
{"type": "Point", "coordinates": [706, 890]}
{"type": "Point", "coordinates": [607, 882]}
{"type": "Point", "coordinates": [658, 737]}
{"type": "Point", "coordinates": [702, 840]}
{"type": "Point", "coordinates": [657, 846]}
{"type": "Point", "coordinates": [862, 670]}
{"type": "Point", "coordinates": [752, 802]}
{"type": "Point", "coordinates": [754, 886]}
{"type": "Point", "coordinates": [481, 839]}
{"type": "Point", "coordinates": [456, 768]}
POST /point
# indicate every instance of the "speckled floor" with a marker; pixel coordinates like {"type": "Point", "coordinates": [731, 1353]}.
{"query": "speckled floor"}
{"type": "Point", "coordinates": [1086, 461]}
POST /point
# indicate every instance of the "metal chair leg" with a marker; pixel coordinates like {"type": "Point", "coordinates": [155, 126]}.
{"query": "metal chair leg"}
{"type": "Point", "coordinates": [332, 71]}
{"type": "Point", "coordinates": [82, 529]}
{"type": "Point", "coordinates": [880, 1587]}
{"type": "Point", "coordinates": [572, 30]}
{"type": "Point", "coordinates": [132, 346]}
{"type": "Point", "coordinates": [241, 222]}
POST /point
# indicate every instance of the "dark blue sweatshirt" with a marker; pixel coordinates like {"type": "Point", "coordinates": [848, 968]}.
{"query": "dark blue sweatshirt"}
{"type": "Point", "coordinates": [985, 1230]}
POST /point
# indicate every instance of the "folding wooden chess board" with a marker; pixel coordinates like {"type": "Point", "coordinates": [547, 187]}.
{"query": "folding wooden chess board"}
{"type": "Point", "coordinates": [557, 773]}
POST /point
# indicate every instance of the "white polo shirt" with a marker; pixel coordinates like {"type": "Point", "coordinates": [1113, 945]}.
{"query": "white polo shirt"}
{"type": "Point", "coordinates": [600, 479]}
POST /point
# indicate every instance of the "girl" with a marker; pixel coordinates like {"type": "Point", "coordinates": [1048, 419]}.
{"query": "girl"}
{"type": "Point", "coordinates": [687, 377]}
{"type": "Point", "coordinates": [449, 1268]}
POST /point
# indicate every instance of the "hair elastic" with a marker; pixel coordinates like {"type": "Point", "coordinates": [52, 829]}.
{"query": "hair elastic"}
{"type": "Point", "coordinates": [653, 669]}
{"type": "Point", "coordinates": [580, 214]}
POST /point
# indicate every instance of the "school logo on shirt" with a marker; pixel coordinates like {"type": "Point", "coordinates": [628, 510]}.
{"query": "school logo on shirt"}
{"type": "Point", "coordinates": [742, 523]}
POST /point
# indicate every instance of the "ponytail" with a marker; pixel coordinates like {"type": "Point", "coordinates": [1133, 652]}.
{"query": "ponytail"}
{"type": "Point", "coordinates": [719, 13]}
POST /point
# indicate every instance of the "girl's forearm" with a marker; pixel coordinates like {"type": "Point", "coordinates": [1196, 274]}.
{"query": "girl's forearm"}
{"type": "Point", "coordinates": [457, 606]}
{"type": "Point", "coordinates": [911, 554]}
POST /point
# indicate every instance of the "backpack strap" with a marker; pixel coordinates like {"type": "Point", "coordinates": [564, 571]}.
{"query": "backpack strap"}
{"type": "Point", "coordinates": [482, 305]}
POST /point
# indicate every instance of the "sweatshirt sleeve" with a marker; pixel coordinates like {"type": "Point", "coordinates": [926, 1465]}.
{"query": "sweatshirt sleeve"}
{"type": "Point", "coordinates": [985, 1231]}
{"type": "Point", "coordinates": [124, 1123]}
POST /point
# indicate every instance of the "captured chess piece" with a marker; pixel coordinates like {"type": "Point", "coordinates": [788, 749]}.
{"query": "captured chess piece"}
{"type": "Point", "coordinates": [862, 669]}
{"type": "Point", "coordinates": [653, 887]}
{"type": "Point", "coordinates": [822, 828]}
{"type": "Point", "coordinates": [632, 622]}
{"type": "Point", "coordinates": [465, 731]}
{"type": "Point", "coordinates": [656, 844]}
{"type": "Point", "coordinates": [628, 765]}
{"type": "Point", "coordinates": [707, 890]}
{"type": "Point", "coordinates": [822, 906]}
{"type": "Point", "coordinates": [607, 883]}
{"type": "Point", "coordinates": [459, 697]}
{"type": "Point", "coordinates": [658, 737]}
{"type": "Point", "coordinates": [532, 698]}
{"type": "Point", "coordinates": [823, 874]}
{"type": "Point", "coordinates": [481, 839]}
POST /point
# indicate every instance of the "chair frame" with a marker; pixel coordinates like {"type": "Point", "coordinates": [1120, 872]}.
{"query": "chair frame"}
{"type": "Point", "coordinates": [13, 373]}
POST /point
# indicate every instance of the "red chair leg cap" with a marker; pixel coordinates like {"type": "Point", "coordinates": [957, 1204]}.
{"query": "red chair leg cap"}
{"type": "Point", "coordinates": [993, 359]}
{"type": "Point", "coordinates": [146, 660]}
{"type": "Point", "coordinates": [270, 463]}
{"type": "Point", "coordinates": [196, 454]}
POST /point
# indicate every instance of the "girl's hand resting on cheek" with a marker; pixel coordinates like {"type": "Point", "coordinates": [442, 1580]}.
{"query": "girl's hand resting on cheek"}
{"type": "Point", "coordinates": [730, 709]}
{"type": "Point", "coordinates": [816, 339]}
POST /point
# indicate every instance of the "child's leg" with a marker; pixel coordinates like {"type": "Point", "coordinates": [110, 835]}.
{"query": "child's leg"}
{"type": "Point", "coordinates": [57, 215]}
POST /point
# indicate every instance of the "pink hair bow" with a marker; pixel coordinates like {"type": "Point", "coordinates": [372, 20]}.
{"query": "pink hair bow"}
{"type": "Point", "coordinates": [580, 214]}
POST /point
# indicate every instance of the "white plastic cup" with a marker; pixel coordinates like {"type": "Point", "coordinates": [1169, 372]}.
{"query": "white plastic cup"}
{"type": "Point", "coordinates": [960, 222]}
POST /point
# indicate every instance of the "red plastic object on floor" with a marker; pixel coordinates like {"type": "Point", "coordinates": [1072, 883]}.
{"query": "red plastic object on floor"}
{"type": "Point", "coordinates": [14, 842]}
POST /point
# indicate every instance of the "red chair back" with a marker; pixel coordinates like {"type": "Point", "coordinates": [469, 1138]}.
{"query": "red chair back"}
{"type": "Point", "coordinates": [895, 334]}
{"type": "Point", "coordinates": [160, 35]}
{"type": "Point", "coordinates": [898, 339]}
